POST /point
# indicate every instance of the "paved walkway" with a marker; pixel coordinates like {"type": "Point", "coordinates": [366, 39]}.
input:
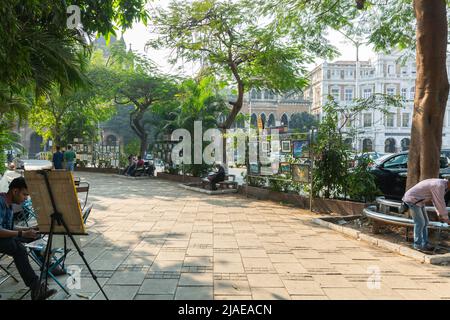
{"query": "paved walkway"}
{"type": "Point", "coordinates": [150, 239]}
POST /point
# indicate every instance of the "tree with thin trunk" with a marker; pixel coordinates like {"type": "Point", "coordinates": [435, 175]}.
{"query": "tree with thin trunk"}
{"type": "Point", "coordinates": [233, 43]}
{"type": "Point", "coordinates": [143, 92]}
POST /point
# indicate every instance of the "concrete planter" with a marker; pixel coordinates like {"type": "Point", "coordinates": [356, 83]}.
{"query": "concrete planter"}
{"type": "Point", "coordinates": [340, 207]}
{"type": "Point", "coordinates": [178, 178]}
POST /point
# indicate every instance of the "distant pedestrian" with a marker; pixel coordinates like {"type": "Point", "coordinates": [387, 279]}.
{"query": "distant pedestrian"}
{"type": "Point", "coordinates": [69, 157]}
{"type": "Point", "coordinates": [58, 158]}
{"type": "Point", "coordinates": [426, 190]}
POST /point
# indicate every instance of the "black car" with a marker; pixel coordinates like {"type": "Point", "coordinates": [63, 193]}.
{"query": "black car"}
{"type": "Point", "coordinates": [390, 174]}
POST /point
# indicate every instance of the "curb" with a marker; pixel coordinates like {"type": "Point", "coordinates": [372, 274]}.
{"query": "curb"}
{"type": "Point", "coordinates": [210, 192]}
{"type": "Point", "coordinates": [397, 248]}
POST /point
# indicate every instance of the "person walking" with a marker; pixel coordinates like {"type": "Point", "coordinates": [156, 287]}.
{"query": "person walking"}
{"type": "Point", "coordinates": [415, 198]}
{"type": "Point", "coordinates": [69, 157]}
{"type": "Point", "coordinates": [58, 158]}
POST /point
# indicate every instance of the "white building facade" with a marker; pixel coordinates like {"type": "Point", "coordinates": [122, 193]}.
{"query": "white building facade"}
{"type": "Point", "coordinates": [387, 74]}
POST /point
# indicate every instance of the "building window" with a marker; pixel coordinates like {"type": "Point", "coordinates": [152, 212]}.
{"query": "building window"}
{"type": "Point", "coordinates": [412, 93]}
{"type": "Point", "coordinates": [391, 69]}
{"type": "Point", "coordinates": [367, 120]}
{"type": "Point", "coordinates": [404, 70]}
{"type": "Point", "coordinates": [335, 94]}
{"type": "Point", "coordinates": [413, 68]}
{"type": "Point", "coordinates": [390, 91]}
{"type": "Point", "coordinates": [348, 94]}
{"type": "Point", "coordinates": [405, 120]}
{"type": "Point", "coordinates": [389, 120]}
{"type": "Point", "coordinates": [367, 93]}
{"type": "Point", "coordinates": [404, 93]}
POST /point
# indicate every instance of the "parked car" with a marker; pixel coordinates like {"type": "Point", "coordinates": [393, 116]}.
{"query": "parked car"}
{"type": "Point", "coordinates": [390, 173]}
{"type": "Point", "coordinates": [367, 155]}
{"type": "Point", "coordinates": [33, 164]}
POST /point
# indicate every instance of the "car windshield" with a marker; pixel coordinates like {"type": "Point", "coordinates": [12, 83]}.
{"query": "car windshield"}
{"type": "Point", "coordinates": [381, 159]}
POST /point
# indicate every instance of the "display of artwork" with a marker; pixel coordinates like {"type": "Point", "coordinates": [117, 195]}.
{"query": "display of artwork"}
{"type": "Point", "coordinates": [300, 149]}
{"type": "Point", "coordinates": [300, 173]}
{"type": "Point", "coordinates": [266, 171]}
{"type": "Point", "coordinates": [286, 146]}
{"type": "Point", "coordinates": [285, 167]}
{"type": "Point", "coordinates": [254, 168]}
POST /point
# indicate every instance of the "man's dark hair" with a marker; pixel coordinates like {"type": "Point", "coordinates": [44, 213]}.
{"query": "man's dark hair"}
{"type": "Point", "coordinates": [139, 157]}
{"type": "Point", "coordinates": [18, 183]}
{"type": "Point", "coordinates": [58, 148]}
{"type": "Point", "coordinates": [69, 147]}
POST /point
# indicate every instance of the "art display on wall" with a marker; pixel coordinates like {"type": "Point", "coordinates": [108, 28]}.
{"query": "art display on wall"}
{"type": "Point", "coordinates": [300, 149]}
{"type": "Point", "coordinates": [285, 167]}
{"type": "Point", "coordinates": [254, 169]}
{"type": "Point", "coordinates": [286, 146]}
{"type": "Point", "coordinates": [300, 173]}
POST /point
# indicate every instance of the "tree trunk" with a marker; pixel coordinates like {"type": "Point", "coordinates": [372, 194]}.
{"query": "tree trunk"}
{"type": "Point", "coordinates": [431, 90]}
{"type": "Point", "coordinates": [139, 129]}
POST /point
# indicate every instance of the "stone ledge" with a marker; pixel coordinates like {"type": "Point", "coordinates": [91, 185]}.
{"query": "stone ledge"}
{"type": "Point", "coordinates": [210, 192]}
{"type": "Point", "coordinates": [397, 248]}
{"type": "Point", "coordinates": [133, 178]}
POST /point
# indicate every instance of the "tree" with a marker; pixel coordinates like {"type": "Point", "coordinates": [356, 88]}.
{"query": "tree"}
{"type": "Point", "coordinates": [143, 92]}
{"type": "Point", "coordinates": [60, 116]}
{"type": "Point", "coordinates": [229, 39]}
{"type": "Point", "coordinates": [198, 99]}
{"type": "Point", "coordinates": [302, 121]}
{"type": "Point", "coordinates": [432, 89]}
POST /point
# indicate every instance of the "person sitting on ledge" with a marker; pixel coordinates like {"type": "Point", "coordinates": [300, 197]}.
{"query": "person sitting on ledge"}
{"type": "Point", "coordinates": [11, 240]}
{"type": "Point", "coordinates": [416, 197]}
{"type": "Point", "coordinates": [217, 177]}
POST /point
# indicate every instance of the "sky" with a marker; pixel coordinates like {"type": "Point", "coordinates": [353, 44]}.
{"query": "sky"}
{"type": "Point", "coordinates": [138, 36]}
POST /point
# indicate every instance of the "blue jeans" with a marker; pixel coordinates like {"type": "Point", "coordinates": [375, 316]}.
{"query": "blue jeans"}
{"type": "Point", "coordinates": [69, 165]}
{"type": "Point", "coordinates": [420, 218]}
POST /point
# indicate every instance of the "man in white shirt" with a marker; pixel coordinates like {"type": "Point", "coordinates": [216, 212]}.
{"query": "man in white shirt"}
{"type": "Point", "coordinates": [427, 190]}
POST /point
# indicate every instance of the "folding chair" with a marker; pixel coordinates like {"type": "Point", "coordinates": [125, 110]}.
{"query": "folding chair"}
{"type": "Point", "coordinates": [58, 258]}
{"type": "Point", "coordinates": [8, 273]}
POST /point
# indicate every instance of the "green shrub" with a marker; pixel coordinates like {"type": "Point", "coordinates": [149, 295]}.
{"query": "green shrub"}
{"type": "Point", "coordinates": [254, 181]}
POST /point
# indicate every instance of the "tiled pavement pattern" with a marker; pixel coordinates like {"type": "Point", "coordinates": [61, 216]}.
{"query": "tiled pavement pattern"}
{"type": "Point", "coordinates": [150, 239]}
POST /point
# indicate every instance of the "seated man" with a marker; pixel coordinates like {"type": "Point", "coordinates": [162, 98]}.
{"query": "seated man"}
{"type": "Point", "coordinates": [139, 164]}
{"type": "Point", "coordinates": [217, 177]}
{"type": "Point", "coordinates": [11, 240]}
{"type": "Point", "coordinates": [132, 166]}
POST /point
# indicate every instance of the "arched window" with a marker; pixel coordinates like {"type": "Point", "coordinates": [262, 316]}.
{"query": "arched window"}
{"type": "Point", "coordinates": [271, 122]}
{"type": "Point", "coordinates": [111, 140]}
{"type": "Point", "coordinates": [284, 120]}
{"type": "Point", "coordinates": [389, 145]}
{"type": "Point", "coordinates": [348, 142]}
{"type": "Point", "coordinates": [367, 145]}
{"type": "Point", "coordinates": [254, 120]}
{"type": "Point", "coordinates": [405, 144]}
{"type": "Point", "coordinates": [263, 120]}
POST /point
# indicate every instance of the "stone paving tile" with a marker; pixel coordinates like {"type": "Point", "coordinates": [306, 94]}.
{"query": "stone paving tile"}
{"type": "Point", "coordinates": [289, 268]}
{"type": "Point", "coordinates": [231, 287]}
{"type": "Point", "coordinates": [153, 297]}
{"type": "Point", "coordinates": [298, 287]}
{"type": "Point", "coordinates": [196, 279]}
{"type": "Point", "coordinates": [344, 294]}
{"type": "Point", "coordinates": [118, 292]}
{"type": "Point", "coordinates": [265, 280]}
{"type": "Point", "coordinates": [270, 294]}
{"type": "Point", "coordinates": [127, 278]}
{"type": "Point", "coordinates": [159, 286]}
{"type": "Point", "coordinates": [194, 293]}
